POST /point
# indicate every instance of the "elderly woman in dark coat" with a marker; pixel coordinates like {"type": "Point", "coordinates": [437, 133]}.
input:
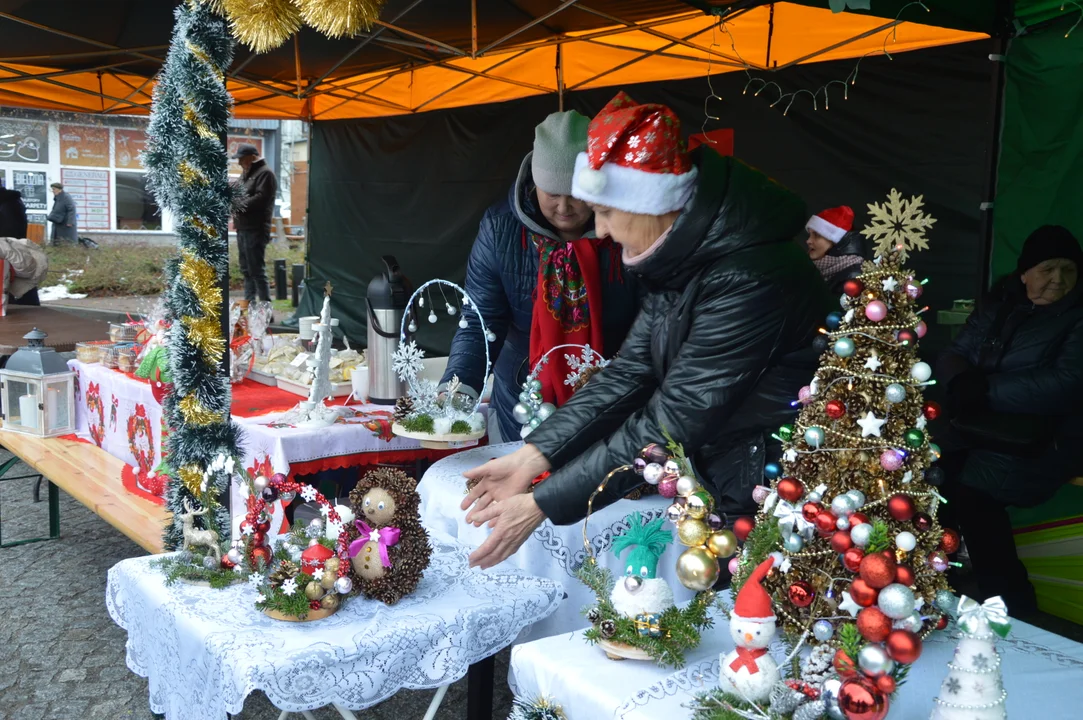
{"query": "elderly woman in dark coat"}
{"type": "Point", "coordinates": [1015, 386]}
{"type": "Point", "coordinates": [716, 354]}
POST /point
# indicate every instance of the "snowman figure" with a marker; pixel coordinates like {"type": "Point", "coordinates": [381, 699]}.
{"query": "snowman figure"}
{"type": "Point", "coordinates": [642, 595]}
{"type": "Point", "coordinates": [749, 672]}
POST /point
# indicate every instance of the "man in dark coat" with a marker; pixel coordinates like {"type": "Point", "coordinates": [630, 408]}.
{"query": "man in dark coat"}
{"type": "Point", "coordinates": [253, 220]}
{"type": "Point", "coordinates": [717, 354]}
{"type": "Point", "coordinates": [1015, 386]}
{"type": "Point", "coordinates": [540, 227]}
{"type": "Point", "coordinates": [12, 214]}
{"type": "Point", "coordinates": [62, 216]}
{"type": "Point", "coordinates": [834, 247]}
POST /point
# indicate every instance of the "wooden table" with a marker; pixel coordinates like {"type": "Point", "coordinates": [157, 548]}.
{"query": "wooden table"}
{"type": "Point", "coordinates": [93, 477]}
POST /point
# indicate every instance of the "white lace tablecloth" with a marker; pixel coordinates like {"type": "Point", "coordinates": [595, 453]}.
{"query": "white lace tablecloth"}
{"type": "Point", "coordinates": [1041, 672]}
{"type": "Point", "coordinates": [203, 650]}
{"type": "Point", "coordinates": [553, 551]}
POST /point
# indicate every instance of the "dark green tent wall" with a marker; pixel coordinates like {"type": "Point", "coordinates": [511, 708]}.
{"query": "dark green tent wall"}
{"type": "Point", "coordinates": [1040, 175]}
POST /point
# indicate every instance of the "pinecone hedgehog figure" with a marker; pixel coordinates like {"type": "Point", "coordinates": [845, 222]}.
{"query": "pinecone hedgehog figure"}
{"type": "Point", "coordinates": [389, 550]}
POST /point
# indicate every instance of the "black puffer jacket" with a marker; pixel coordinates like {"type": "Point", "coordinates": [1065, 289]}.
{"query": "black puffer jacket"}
{"type": "Point", "coordinates": [12, 214]}
{"type": "Point", "coordinates": [717, 354]}
{"type": "Point", "coordinates": [1033, 364]}
{"type": "Point", "coordinates": [852, 246]}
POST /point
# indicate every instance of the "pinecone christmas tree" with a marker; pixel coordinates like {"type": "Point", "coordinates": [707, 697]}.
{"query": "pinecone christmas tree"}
{"type": "Point", "coordinates": [973, 690]}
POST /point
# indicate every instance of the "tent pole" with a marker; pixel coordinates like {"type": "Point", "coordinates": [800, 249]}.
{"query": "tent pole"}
{"type": "Point", "coordinates": [560, 78]}
{"type": "Point", "coordinates": [474, 29]}
{"type": "Point", "coordinates": [514, 33]}
{"type": "Point", "coordinates": [998, 59]}
{"type": "Point", "coordinates": [297, 61]}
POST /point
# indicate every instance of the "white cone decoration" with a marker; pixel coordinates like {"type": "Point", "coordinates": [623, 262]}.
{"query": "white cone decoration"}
{"type": "Point", "coordinates": [973, 689]}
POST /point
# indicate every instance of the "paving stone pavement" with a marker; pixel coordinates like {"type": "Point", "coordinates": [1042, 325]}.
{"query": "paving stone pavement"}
{"type": "Point", "coordinates": [61, 655]}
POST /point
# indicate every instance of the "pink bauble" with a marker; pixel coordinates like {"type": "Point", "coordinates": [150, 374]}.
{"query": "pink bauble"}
{"type": "Point", "coordinates": [667, 488]}
{"type": "Point", "coordinates": [760, 493]}
{"type": "Point", "coordinates": [921, 328]}
{"type": "Point", "coordinates": [804, 394]}
{"type": "Point", "coordinates": [733, 565]}
{"type": "Point", "coordinates": [890, 460]}
{"type": "Point", "coordinates": [876, 311]}
{"type": "Point", "coordinates": [914, 289]}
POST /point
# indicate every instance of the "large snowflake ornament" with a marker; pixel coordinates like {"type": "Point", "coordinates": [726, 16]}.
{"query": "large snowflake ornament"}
{"type": "Point", "coordinates": [408, 360]}
{"type": "Point", "coordinates": [899, 224]}
{"type": "Point", "coordinates": [423, 394]}
{"type": "Point", "coordinates": [579, 364]}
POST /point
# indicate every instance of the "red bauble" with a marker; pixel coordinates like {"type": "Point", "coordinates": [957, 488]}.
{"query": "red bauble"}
{"type": "Point", "coordinates": [942, 622]}
{"type": "Point", "coordinates": [260, 553]}
{"type": "Point", "coordinates": [908, 337]}
{"type": "Point", "coordinates": [811, 510]}
{"type": "Point", "coordinates": [889, 554]}
{"type": "Point", "coordinates": [886, 684]}
{"type": "Point", "coordinates": [858, 518]}
{"type": "Point", "coordinates": [949, 542]}
{"type": "Point", "coordinates": [873, 625]}
{"type": "Point", "coordinates": [901, 507]}
{"type": "Point", "coordinates": [852, 558]}
{"type": "Point", "coordinates": [742, 526]}
{"type": "Point", "coordinates": [247, 527]}
{"type": "Point", "coordinates": [922, 521]}
{"type": "Point", "coordinates": [826, 522]}
{"type": "Point", "coordinates": [844, 664]}
{"type": "Point", "coordinates": [226, 563]}
{"type": "Point", "coordinates": [835, 409]}
{"type": "Point", "coordinates": [878, 571]}
{"type": "Point", "coordinates": [903, 646]}
{"type": "Point", "coordinates": [853, 287]}
{"type": "Point", "coordinates": [930, 410]}
{"type": "Point", "coordinates": [264, 526]}
{"type": "Point", "coordinates": [862, 594]}
{"type": "Point", "coordinates": [259, 539]}
{"type": "Point", "coordinates": [861, 699]}
{"type": "Point", "coordinates": [801, 593]}
{"type": "Point", "coordinates": [841, 542]}
{"type": "Point", "coordinates": [790, 489]}
{"type": "Point", "coordinates": [904, 575]}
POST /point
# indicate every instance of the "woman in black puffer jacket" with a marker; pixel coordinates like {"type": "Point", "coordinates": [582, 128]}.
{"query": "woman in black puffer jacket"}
{"type": "Point", "coordinates": [834, 247]}
{"type": "Point", "coordinates": [1015, 386]}
{"type": "Point", "coordinates": [719, 350]}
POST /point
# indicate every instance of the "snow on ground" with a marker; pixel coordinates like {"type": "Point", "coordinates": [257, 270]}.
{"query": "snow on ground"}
{"type": "Point", "coordinates": [58, 292]}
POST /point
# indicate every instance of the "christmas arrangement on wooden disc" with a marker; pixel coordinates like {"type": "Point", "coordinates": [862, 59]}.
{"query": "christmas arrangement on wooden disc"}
{"type": "Point", "coordinates": [846, 556]}
{"type": "Point", "coordinates": [439, 417]}
{"type": "Point", "coordinates": [387, 549]}
{"type": "Point", "coordinates": [534, 407]}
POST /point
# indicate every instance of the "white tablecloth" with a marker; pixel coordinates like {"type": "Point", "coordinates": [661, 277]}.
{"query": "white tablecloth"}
{"type": "Point", "coordinates": [109, 411]}
{"type": "Point", "coordinates": [1042, 673]}
{"type": "Point", "coordinates": [203, 651]}
{"type": "Point", "coordinates": [553, 551]}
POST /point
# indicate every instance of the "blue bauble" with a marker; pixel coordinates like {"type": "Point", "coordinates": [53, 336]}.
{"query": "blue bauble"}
{"type": "Point", "coordinates": [772, 471]}
{"type": "Point", "coordinates": [793, 543]}
{"type": "Point", "coordinates": [823, 630]}
{"type": "Point", "coordinates": [834, 320]}
{"type": "Point", "coordinates": [814, 436]}
{"type": "Point", "coordinates": [844, 347]}
{"type": "Point", "coordinates": [895, 393]}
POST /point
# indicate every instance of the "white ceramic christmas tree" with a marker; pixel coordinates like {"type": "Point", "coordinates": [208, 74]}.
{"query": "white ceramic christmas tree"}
{"type": "Point", "coordinates": [973, 689]}
{"type": "Point", "coordinates": [314, 412]}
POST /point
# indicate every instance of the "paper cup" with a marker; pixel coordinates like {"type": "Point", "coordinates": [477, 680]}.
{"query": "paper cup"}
{"type": "Point", "coordinates": [304, 326]}
{"type": "Point", "coordinates": [359, 377]}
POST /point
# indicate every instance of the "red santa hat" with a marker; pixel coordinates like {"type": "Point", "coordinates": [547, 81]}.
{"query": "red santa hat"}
{"type": "Point", "coordinates": [635, 160]}
{"type": "Point", "coordinates": [753, 603]}
{"type": "Point", "coordinates": [832, 223]}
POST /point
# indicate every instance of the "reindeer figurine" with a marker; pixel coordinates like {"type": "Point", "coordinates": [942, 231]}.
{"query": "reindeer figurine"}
{"type": "Point", "coordinates": [199, 538]}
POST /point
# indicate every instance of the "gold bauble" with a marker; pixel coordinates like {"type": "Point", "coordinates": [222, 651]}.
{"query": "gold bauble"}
{"type": "Point", "coordinates": [330, 601]}
{"type": "Point", "coordinates": [328, 579]}
{"type": "Point", "coordinates": [722, 543]}
{"type": "Point", "coordinates": [693, 532]}
{"type": "Point", "coordinates": [330, 567]}
{"type": "Point", "coordinates": [313, 591]}
{"type": "Point", "coordinates": [697, 569]}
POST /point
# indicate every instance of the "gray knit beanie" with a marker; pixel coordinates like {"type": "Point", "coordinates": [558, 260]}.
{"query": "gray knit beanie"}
{"type": "Point", "coordinates": [557, 142]}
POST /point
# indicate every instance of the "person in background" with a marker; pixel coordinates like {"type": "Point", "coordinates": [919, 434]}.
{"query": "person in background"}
{"type": "Point", "coordinates": [1015, 385]}
{"type": "Point", "coordinates": [540, 278]}
{"type": "Point", "coordinates": [62, 216]}
{"type": "Point", "coordinates": [12, 214]}
{"type": "Point", "coordinates": [834, 247]}
{"type": "Point", "coordinates": [13, 226]}
{"type": "Point", "coordinates": [717, 353]}
{"type": "Point", "coordinates": [253, 220]}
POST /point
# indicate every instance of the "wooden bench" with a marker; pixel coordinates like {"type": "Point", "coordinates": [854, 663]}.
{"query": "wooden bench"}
{"type": "Point", "coordinates": [93, 477]}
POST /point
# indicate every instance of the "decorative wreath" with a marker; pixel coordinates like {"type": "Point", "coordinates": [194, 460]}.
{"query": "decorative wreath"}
{"type": "Point", "coordinates": [139, 426]}
{"type": "Point", "coordinates": [531, 411]}
{"type": "Point", "coordinates": [94, 406]}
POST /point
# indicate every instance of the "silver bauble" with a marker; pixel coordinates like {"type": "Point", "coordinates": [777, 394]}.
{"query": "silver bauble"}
{"type": "Point", "coordinates": [535, 385]}
{"type": "Point", "coordinates": [860, 534]}
{"type": "Point", "coordinates": [652, 474]}
{"type": "Point", "coordinates": [535, 422]}
{"type": "Point", "coordinates": [913, 623]}
{"type": "Point", "coordinates": [873, 660]}
{"type": "Point", "coordinates": [858, 496]}
{"type": "Point", "coordinates": [671, 467]}
{"type": "Point", "coordinates": [452, 310]}
{"type": "Point", "coordinates": [843, 506]}
{"type": "Point", "coordinates": [432, 317]}
{"type": "Point", "coordinates": [813, 497]}
{"type": "Point", "coordinates": [793, 543]}
{"type": "Point", "coordinates": [906, 541]}
{"type": "Point", "coordinates": [412, 327]}
{"type": "Point", "coordinates": [522, 413]}
{"type": "Point", "coordinates": [823, 630]}
{"type": "Point", "coordinates": [843, 523]}
{"type": "Point", "coordinates": [287, 497]}
{"type": "Point", "coordinates": [234, 556]}
{"type": "Point", "coordinates": [343, 585]}
{"type": "Point", "coordinates": [946, 601]}
{"type": "Point", "coordinates": [315, 525]}
{"type": "Point", "coordinates": [545, 410]}
{"type": "Point", "coordinates": [633, 583]}
{"type": "Point", "coordinates": [895, 393]}
{"type": "Point", "coordinates": [209, 562]}
{"type": "Point", "coordinates": [674, 513]}
{"type": "Point", "coordinates": [814, 436]}
{"type": "Point", "coordinates": [896, 601]}
{"type": "Point", "coordinates": [490, 336]}
{"type": "Point", "coordinates": [463, 323]}
{"type": "Point", "coordinates": [829, 693]}
{"type": "Point", "coordinates": [259, 483]}
{"type": "Point", "coordinates": [686, 485]}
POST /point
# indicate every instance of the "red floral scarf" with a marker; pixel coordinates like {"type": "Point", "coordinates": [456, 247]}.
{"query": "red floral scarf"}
{"type": "Point", "coordinates": [567, 305]}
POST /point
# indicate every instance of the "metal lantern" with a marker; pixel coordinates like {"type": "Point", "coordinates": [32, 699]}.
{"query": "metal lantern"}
{"type": "Point", "coordinates": [38, 390]}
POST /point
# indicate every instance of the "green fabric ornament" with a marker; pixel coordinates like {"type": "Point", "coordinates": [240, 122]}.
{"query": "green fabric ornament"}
{"type": "Point", "coordinates": [648, 543]}
{"type": "Point", "coordinates": [156, 359]}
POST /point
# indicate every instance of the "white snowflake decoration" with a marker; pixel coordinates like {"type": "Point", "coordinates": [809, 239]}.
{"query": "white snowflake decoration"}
{"type": "Point", "coordinates": [407, 361]}
{"type": "Point", "coordinates": [289, 587]}
{"type": "Point", "coordinates": [261, 598]}
{"type": "Point", "coordinates": [898, 224]}
{"type": "Point", "coordinates": [318, 574]}
{"type": "Point", "coordinates": [579, 365]}
{"type": "Point", "coordinates": [308, 493]}
{"type": "Point", "coordinates": [255, 580]}
{"type": "Point", "coordinates": [423, 394]}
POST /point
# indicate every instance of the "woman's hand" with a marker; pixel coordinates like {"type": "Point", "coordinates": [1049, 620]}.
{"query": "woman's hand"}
{"type": "Point", "coordinates": [512, 521]}
{"type": "Point", "coordinates": [502, 479]}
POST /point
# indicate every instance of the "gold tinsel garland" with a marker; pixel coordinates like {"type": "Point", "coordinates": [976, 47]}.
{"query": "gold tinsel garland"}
{"type": "Point", "coordinates": [264, 25]}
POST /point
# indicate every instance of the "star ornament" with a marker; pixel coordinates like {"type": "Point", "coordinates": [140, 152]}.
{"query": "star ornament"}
{"type": "Point", "coordinates": [848, 604]}
{"type": "Point", "coordinates": [890, 284]}
{"type": "Point", "coordinates": [873, 363]}
{"type": "Point", "coordinates": [871, 425]}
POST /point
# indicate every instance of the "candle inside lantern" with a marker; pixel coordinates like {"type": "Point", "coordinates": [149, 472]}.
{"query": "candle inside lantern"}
{"type": "Point", "coordinates": [28, 411]}
{"type": "Point", "coordinates": [52, 407]}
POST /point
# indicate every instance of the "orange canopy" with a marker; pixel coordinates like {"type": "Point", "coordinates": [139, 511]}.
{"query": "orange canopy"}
{"type": "Point", "coordinates": [676, 46]}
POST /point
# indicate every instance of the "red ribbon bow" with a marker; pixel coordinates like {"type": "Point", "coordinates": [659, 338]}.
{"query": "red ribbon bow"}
{"type": "Point", "coordinates": [747, 658]}
{"type": "Point", "coordinates": [385, 538]}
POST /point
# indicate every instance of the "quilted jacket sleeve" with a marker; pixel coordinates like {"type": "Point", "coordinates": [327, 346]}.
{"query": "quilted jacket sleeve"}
{"type": "Point", "coordinates": [964, 350]}
{"type": "Point", "coordinates": [605, 402]}
{"type": "Point", "coordinates": [736, 328]}
{"type": "Point", "coordinates": [1052, 390]}
{"type": "Point", "coordinates": [485, 287]}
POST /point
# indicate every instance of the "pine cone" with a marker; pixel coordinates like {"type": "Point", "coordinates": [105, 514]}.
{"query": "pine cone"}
{"type": "Point", "coordinates": [585, 376]}
{"type": "Point", "coordinates": [403, 407]}
{"type": "Point", "coordinates": [812, 710]}
{"type": "Point", "coordinates": [286, 570]}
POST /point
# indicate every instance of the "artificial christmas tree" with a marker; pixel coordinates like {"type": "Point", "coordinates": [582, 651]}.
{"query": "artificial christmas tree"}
{"type": "Point", "coordinates": [972, 690]}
